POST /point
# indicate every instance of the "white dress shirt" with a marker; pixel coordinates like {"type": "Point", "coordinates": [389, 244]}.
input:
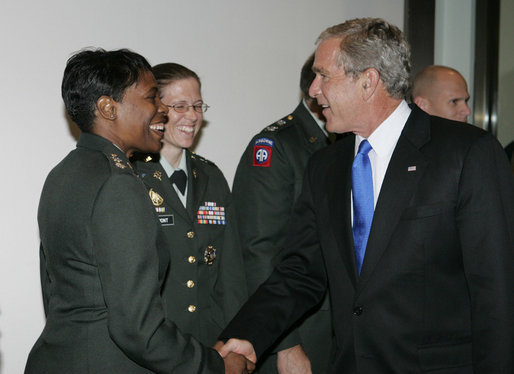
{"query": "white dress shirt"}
{"type": "Point", "coordinates": [383, 141]}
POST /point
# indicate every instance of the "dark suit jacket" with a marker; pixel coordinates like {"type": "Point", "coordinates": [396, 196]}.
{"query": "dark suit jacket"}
{"type": "Point", "coordinates": [103, 261]}
{"type": "Point", "coordinates": [264, 197]}
{"type": "Point", "coordinates": [435, 291]}
{"type": "Point", "coordinates": [200, 295]}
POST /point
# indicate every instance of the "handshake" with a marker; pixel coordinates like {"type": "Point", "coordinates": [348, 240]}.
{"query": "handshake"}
{"type": "Point", "coordinates": [240, 358]}
{"type": "Point", "coordinates": [238, 355]}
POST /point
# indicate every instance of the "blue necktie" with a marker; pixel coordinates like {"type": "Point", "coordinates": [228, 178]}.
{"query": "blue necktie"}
{"type": "Point", "coordinates": [362, 191]}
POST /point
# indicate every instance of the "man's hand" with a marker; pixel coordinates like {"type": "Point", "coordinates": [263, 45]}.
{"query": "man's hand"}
{"type": "Point", "coordinates": [293, 361]}
{"type": "Point", "coordinates": [243, 347]}
{"type": "Point", "coordinates": [237, 364]}
{"type": "Point", "coordinates": [238, 355]}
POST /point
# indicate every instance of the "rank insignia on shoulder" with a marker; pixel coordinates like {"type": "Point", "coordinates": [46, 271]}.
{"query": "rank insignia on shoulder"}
{"type": "Point", "coordinates": [157, 175]}
{"type": "Point", "coordinates": [117, 161]}
{"type": "Point", "coordinates": [115, 157]}
{"type": "Point", "coordinates": [271, 128]}
{"type": "Point", "coordinates": [262, 149]}
{"type": "Point", "coordinates": [157, 199]}
{"type": "Point", "coordinates": [210, 214]}
{"type": "Point", "coordinates": [209, 255]}
{"type": "Point", "coordinates": [195, 156]}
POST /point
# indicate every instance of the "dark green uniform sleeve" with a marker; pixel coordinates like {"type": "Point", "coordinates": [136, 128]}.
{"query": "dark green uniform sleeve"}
{"type": "Point", "coordinates": [233, 283]}
{"type": "Point", "coordinates": [125, 233]}
{"type": "Point", "coordinates": [297, 284]}
{"type": "Point", "coordinates": [264, 198]}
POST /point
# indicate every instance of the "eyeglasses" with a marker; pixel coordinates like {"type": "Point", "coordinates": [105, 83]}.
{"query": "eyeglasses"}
{"type": "Point", "coordinates": [182, 108]}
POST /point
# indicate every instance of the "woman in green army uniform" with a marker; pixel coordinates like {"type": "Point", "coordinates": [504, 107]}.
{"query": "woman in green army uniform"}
{"type": "Point", "coordinates": [103, 255]}
{"type": "Point", "coordinates": [206, 284]}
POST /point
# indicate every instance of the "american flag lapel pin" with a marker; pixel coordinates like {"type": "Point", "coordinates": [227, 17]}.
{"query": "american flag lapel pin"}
{"type": "Point", "coordinates": [411, 168]}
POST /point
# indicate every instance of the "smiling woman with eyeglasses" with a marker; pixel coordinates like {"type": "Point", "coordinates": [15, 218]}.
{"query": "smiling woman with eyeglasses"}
{"type": "Point", "coordinates": [206, 283]}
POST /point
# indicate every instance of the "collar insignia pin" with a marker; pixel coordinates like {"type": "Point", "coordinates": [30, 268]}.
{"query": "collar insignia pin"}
{"type": "Point", "coordinates": [157, 175]}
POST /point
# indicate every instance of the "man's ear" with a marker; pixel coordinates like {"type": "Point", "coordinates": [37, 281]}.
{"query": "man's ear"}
{"type": "Point", "coordinates": [106, 107]}
{"type": "Point", "coordinates": [369, 80]}
{"type": "Point", "coordinates": [422, 103]}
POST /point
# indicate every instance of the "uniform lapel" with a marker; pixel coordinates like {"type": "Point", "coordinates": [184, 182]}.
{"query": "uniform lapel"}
{"type": "Point", "coordinates": [339, 193]}
{"type": "Point", "coordinates": [199, 181]}
{"type": "Point", "coordinates": [315, 138]}
{"type": "Point", "coordinates": [405, 169]}
{"type": "Point", "coordinates": [157, 179]}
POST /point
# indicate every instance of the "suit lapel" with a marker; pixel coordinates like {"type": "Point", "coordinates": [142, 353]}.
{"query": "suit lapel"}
{"type": "Point", "coordinates": [339, 193]}
{"type": "Point", "coordinates": [405, 169]}
{"type": "Point", "coordinates": [196, 189]}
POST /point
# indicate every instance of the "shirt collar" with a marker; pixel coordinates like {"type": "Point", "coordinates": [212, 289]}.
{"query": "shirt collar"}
{"type": "Point", "coordinates": [182, 165]}
{"type": "Point", "coordinates": [386, 135]}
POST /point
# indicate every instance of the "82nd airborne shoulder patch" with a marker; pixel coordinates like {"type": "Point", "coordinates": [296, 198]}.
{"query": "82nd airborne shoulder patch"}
{"type": "Point", "coordinates": [262, 149]}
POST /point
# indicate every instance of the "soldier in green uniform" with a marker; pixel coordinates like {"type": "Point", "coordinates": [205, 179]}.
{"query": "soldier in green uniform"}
{"type": "Point", "coordinates": [267, 183]}
{"type": "Point", "coordinates": [103, 255]}
{"type": "Point", "coordinates": [206, 284]}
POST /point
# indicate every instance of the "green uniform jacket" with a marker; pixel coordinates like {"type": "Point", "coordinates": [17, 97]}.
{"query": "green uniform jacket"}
{"type": "Point", "coordinates": [102, 267]}
{"type": "Point", "coordinates": [205, 285]}
{"type": "Point", "coordinates": [267, 183]}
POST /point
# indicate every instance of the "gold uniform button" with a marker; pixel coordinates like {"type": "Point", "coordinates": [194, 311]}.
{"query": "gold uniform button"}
{"type": "Point", "coordinates": [190, 284]}
{"type": "Point", "coordinates": [191, 308]}
{"type": "Point", "coordinates": [190, 234]}
{"type": "Point", "coordinates": [191, 259]}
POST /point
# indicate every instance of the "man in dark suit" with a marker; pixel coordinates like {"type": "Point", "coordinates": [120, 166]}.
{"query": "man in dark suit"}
{"type": "Point", "coordinates": [267, 183]}
{"type": "Point", "coordinates": [434, 289]}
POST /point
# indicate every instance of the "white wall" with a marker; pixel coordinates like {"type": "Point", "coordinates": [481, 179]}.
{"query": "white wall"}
{"type": "Point", "coordinates": [248, 54]}
{"type": "Point", "coordinates": [454, 39]}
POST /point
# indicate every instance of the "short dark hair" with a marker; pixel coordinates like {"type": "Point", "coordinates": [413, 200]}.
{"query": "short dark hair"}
{"type": "Point", "coordinates": [92, 73]}
{"type": "Point", "coordinates": [169, 72]}
{"type": "Point", "coordinates": [307, 76]}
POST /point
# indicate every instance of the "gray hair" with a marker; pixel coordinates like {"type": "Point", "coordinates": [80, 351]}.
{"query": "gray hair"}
{"type": "Point", "coordinates": [373, 43]}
